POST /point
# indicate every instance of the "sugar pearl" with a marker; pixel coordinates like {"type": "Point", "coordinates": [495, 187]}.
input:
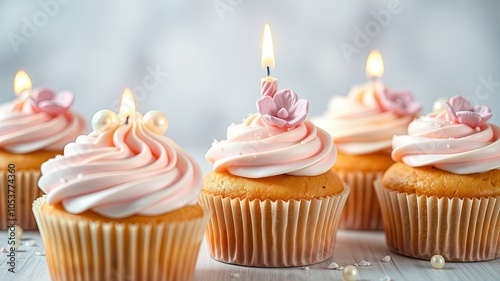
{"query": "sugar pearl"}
{"type": "Point", "coordinates": [156, 121]}
{"type": "Point", "coordinates": [350, 273]}
{"type": "Point", "coordinates": [104, 119]}
{"type": "Point", "coordinates": [437, 261]}
{"type": "Point", "coordinates": [438, 105]}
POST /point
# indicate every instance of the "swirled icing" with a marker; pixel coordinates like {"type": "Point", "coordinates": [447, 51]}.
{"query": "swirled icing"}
{"type": "Point", "coordinates": [358, 124]}
{"type": "Point", "coordinates": [449, 146]}
{"type": "Point", "coordinates": [255, 149]}
{"type": "Point", "coordinates": [121, 172]}
{"type": "Point", "coordinates": [24, 130]}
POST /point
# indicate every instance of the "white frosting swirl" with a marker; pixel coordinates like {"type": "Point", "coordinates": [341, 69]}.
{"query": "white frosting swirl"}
{"type": "Point", "coordinates": [254, 150]}
{"type": "Point", "coordinates": [22, 130]}
{"type": "Point", "coordinates": [122, 172]}
{"type": "Point", "coordinates": [449, 146]}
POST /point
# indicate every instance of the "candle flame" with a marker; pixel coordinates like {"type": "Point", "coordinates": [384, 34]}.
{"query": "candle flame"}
{"type": "Point", "coordinates": [375, 65]}
{"type": "Point", "coordinates": [22, 82]}
{"type": "Point", "coordinates": [267, 48]}
{"type": "Point", "coordinates": [127, 105]}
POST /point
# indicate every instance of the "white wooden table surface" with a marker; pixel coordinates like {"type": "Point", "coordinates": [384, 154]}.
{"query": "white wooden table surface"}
{"type": "Point", "coordinates": [351, 247]}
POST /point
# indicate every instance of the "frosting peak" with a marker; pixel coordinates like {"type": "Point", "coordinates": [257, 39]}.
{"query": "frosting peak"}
{"type": "Point", "coordinates": [366, 120]}
{"type": "Point", "coordinates": [277, 141]}
{"type": "Point", "coordinates": [40, 121]}
{"type": "Point", "coordinates": [451, 140]}
{"type": "Point", "coordinates": [122, 171]}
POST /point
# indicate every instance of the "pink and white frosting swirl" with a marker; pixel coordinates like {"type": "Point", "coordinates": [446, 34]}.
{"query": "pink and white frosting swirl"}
{"type": "Point", "coordinates": [124, 171]}
{"type": "Point", "coordinates": [366, 120]}
{"type": "Point", "coordinates": [453, 144]}
{"type": "Point", "coordinates": [39, 122]}
{"type": "Point", "coordinates": [274, 142]}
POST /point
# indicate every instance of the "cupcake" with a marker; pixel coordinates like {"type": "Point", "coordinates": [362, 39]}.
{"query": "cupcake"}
{"type": "Point", "coordinates": [362, 125]}
{"type": "Point", "coordinates": [274, 199]}
{"type": "Point", "coordinates": [443, 194]}
{"type": "Point", "coordinates": [33, 128]}
{"type": "Point", "coordinates": [121, 203]}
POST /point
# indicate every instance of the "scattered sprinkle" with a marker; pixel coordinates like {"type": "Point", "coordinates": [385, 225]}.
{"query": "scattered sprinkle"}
{"type": "Point", "coordinates": [306, 268]}
{"type": "Point", "coordinates": [333, 265]}
{"type": "Point", "coordinates": [3, 250]}
{"type": "Point", "coordinates": [39, 254]}
{"type": "Point", "coordinates": [386, 278]}
{"type": "Point", "coordinates": [30, 243]}
{"type": "Point", "coordinates": [364, 263]}
{"type": "Point", "coordinates": [386, 258]}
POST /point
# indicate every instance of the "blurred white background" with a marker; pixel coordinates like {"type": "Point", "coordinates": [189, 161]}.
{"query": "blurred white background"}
{"type": "Point", "coordinates": [199, 61]}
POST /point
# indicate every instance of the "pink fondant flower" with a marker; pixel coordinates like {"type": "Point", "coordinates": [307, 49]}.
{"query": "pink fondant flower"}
{"type": "Point", "coordinates": [284, 109]}
{"type": "Point", "coordinates": [460, 111]}
{"type": "Point", "coordinates": [399, 102]}
{"type": "Point", "coordinates": [45, 100]}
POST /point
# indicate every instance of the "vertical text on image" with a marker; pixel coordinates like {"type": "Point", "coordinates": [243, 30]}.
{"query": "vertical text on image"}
{"type": "Point", "coordinates": [11, 217]}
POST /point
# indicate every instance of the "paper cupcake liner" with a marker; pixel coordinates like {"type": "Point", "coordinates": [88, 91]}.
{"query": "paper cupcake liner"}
{"type": "Point", "coordinates": [91, 250]}
{"type": "Point", "coordinates": [272, 233]}
{"type": "Point", "coordinates": [362, 210]}
{"type": "Point", "coordinates": [25, 191]}
{"type": "Point", "coordinates": [423, 226]}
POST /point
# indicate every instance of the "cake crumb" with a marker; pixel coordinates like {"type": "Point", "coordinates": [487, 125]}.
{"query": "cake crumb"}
{"type": "Point", "coordinates": [30, 243]}
{"type": "Point", "coordinates": [3, 250]}
{"type": "Point", "coordinates": [333, 265]}
{"type": "Point", "coordinates": [364, 263]}
{"type": "Point", "coordinates": [386, 258]}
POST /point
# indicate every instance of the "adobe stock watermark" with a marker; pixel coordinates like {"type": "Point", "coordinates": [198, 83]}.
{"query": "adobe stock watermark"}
{"type": "Point", "coordinates": [224, 6]}
{"type": "Point", "coordinates": [363, 36]}
{"type": "Point", "coordinates": [31, 26]}
{"type": "Point", "coordinates": [483, 90]}
{"type": "Point", "coordinates": [153, 78]}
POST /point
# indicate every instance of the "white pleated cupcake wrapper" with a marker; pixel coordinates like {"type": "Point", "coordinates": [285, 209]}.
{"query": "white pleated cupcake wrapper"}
{"type": "Point", "coordinates": [90, 250]}
{"type": "Point", "coordinates": [25, 192]}
{"type": "Point", "coordinates": [362, 210]}
{"type": "Point", "coordinates": [272, 233]}
{"type": "Point", "coordinates": [423, 226]}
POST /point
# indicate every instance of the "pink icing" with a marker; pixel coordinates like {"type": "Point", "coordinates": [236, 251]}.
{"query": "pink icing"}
{"type": "Point", "coordinates": [366, 120]}
{"type": "Point", "coordinates": [460, 111]}
{"type": "Point", "coordinates": [39, 122]}
{"type": "Point", "coordinates": [448, 145]}
{"type": "Point", "coordinates": [254, 150]}
{"type": "Point", "coordinates": [122, 172]}
{"type": "Point", "coordinates": [284, 109]}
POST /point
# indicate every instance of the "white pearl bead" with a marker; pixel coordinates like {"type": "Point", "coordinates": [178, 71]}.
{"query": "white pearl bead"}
{"type": "Point", "coordinates": [350, 273]}
{"type": "Point", "coordinates": [438, 105]}
{"type": "Point", "coordinates": [437, 261]}
{"type": "Point", "coordinates": [104, 119]}
{"type": "Point", "coordinates": [156, 121]}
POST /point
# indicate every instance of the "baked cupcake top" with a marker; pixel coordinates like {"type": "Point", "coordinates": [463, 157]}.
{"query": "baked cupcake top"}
{"type": "Point", "coordinates": [40, 120]}
{"type": "Point", "coordinates": [367, 118]}
{"type": "Point", "coordinates": [125, 167]}
{"type": "Point", "coordinates": [277, 140]}
{"type": "Point", "coordinates": [455, 139]}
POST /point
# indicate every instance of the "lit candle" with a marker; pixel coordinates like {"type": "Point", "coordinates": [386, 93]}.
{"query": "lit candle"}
{"type": "Point", "coordinates": [374, 65]}
{"type": "Point", "coordinates": [22, 84]}
{"type": "Point", "coordinates": [107, 119]}
{"type": "Point", "coordinates": [268, 84]}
